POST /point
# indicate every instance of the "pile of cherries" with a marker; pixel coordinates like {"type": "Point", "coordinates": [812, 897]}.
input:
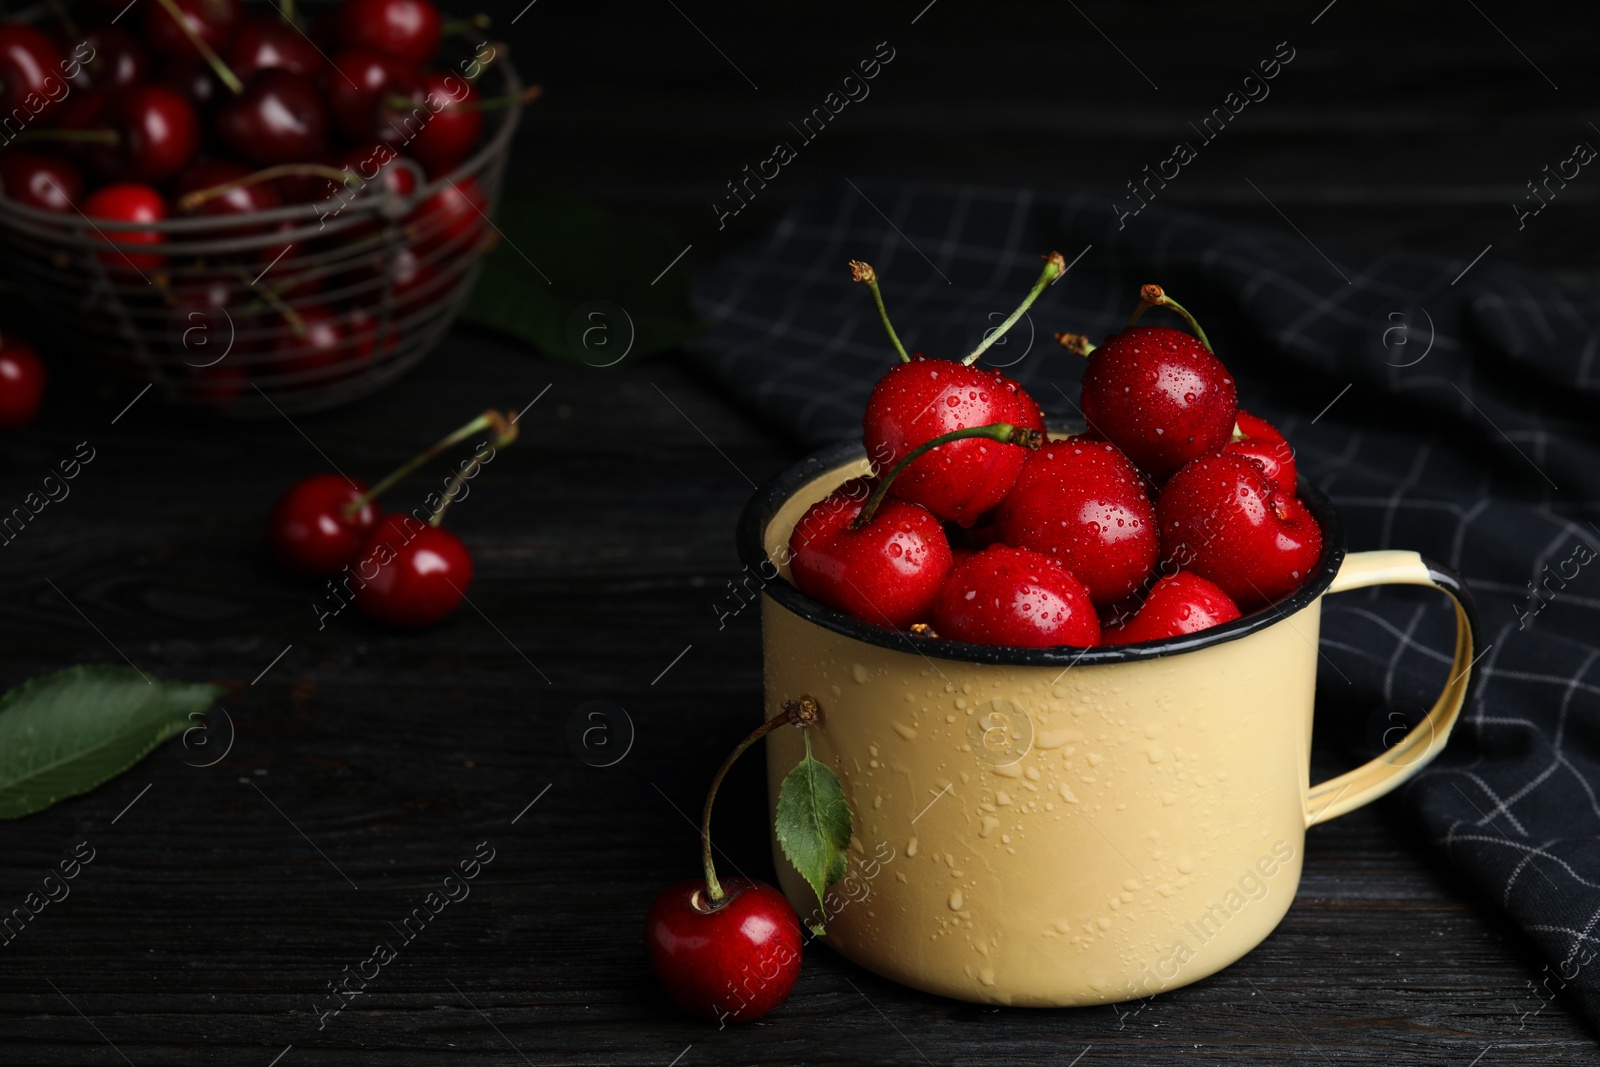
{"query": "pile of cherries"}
{"type": "Point", "coordinates": [192, 108]}
{"type": "Point", "coordinates": [1175, 511]}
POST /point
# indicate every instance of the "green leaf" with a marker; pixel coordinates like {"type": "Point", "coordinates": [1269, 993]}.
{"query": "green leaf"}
{"type": "Point", "coordinates": [564, 268]}
{"type": "Point", "coordinates": [66, 733]}
{"type": "Point", "coordinates": [813, 824]}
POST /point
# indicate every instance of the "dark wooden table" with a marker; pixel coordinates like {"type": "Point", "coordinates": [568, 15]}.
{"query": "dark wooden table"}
{"type": "Point", "coordinates": [223, 900]}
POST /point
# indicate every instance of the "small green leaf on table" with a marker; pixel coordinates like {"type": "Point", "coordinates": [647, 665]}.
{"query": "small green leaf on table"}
{"type": "Point", "coordinates": [563, 268]}
{"type": "Point", "coordinates": [65, 733]}
{"type": "Point", "coordinates": [813, 824]}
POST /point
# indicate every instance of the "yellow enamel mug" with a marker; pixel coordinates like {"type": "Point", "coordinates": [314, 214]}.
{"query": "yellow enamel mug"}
{"type": "Point", "coordinates": [1058, 827]}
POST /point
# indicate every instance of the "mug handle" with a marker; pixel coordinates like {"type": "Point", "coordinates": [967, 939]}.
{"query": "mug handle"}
{"type": "Point", "coordinates": [1378, 776]}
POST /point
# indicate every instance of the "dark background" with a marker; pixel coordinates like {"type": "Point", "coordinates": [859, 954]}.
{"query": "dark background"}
{"type": "Point", "coordinates": [365, 764]}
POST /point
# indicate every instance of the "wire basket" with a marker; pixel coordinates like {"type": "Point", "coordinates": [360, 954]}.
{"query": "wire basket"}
{"type": "Point", "coordinates": [230, 312]}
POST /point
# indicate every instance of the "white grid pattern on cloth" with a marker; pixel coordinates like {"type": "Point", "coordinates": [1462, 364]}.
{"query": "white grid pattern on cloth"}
{"type": "Point", "coordinates": [1452, 456]}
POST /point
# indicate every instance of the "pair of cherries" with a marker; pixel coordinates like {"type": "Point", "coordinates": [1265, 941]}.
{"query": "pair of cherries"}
{"type": "Point", "coordinates": [409, 574]}
{"type": "Point", "coordinates": [983, 532]}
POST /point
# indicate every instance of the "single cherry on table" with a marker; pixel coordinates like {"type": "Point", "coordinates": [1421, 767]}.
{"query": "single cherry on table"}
{"type": "Point", "coordinates": [22, 381]}
{"type": "Point", "coordinates": [727, 950]}
{"type": "Point", "coordinates": [319, 525]}
{"type": "Point", "coordinates": [422, 573]}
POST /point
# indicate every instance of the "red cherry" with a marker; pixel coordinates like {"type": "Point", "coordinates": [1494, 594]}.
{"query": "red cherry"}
{"type": "Point", "coordinates": [272, 43]}
{"type": "Point", "coordinates": [736, 961]}
{"type": "Point", "coordinates": [213, 21]}
{"type": "Point", "coordinates": [888, 572]}
{"type": "Point", "coordinates": [128, 202]}
{"type": "Point", "coordinates": [279, 118]}
{"type": "Point", "coordinates": [1018, 597]}
{"type": "Point", "coordinates": [379, 166]}
{"type": "Point", "coordinates": [358, 90]}
{"type": "Point", "coordinates": [414, 280]}
{"type": "Point", "coordinates": [47, 183]}
{"type": "Point", "coordinates": [362, 327]}
{"type": "Point", "coordinates": [309, 531]}
{"type": "Point", "coordinates": [306, 186]}
{"type": "Point", "coordinates": [1181, 603]}
{"type": "Point", "coordinates": [202, 328]}
{"type": "Point", "coordinates": [1083, 504]}
{"type": "Point", "coordinates": [317, 345]}
{"type": "Point", "coordinates": [1264, 444]}
{"type": "Point", "coordinates": [453, 217]}
{"type": "Point", "coordinates": [196, 82]}
{"type": "Point", "coordinates": [242, 200]}
{"type": "Point", "coordinates": [422, 573]}
{"type": "Point", "coordinates": [1158, 395]}
{"type": "Point", "coordinates": [31, 82]}
{"type": "Point", "coordinates": [218, 385]}
{"type": "Point", "coordinates": [158, 134]}
{"type": "Point", "coordinates": [1222, 518]}
{"type": "Point", "coordinates": [405, 29]}
{"type": "Point", "coordinates": [452, 133]}
{"type": "Point", "coordinates": [119, 62]}
{"type": "Point", "coordinates": [924, 398]}
{"type": "Point", "coordinates": [22, 379]}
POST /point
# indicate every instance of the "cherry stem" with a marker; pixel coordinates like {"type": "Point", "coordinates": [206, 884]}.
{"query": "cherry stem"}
{"type": "Point", "coordinates": [1076, 343]}
{"type": "Point", "coordinates": [65, 19]}
{"type": "Point", "coordinates": [1054, 267]}
{"type": "Point", "coordinates": [1238, 434]}
{"type": "Point", "coordinates": [87, 136]}
{"type": "Point", "coordinates": [1152, 296]}
{"type": "Point", "coordinates": [505, 433]}
{"type": "Point", "coordinates": [1004, 432]}
{"type": "Point", "coordinates": [802, 712]}
{"type": "Point", "coordinates": [286, 9]}
{"type": "Point", "coordinates": [192, 200]}
{"type": "Point", "coordinates": [276, 302]}
{"type": "Point", "coordinates": [455, 437]}
{"type": "Point", "coordinates": [479, 21]}
{"type": "Point", "coordinates": [228, 77]}
{"type": "Point", "coordinates": [494, 103]}
{"type": "Point", "coordinates": [863, 273]}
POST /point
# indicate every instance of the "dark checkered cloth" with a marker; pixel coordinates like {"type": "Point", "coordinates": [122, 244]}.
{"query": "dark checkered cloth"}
{"type": "Point", "coordinates": [1447, 406]}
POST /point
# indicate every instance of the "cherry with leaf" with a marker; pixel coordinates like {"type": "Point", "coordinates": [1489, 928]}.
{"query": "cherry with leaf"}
{"type": "Point", "coordinates": [729, 949]}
